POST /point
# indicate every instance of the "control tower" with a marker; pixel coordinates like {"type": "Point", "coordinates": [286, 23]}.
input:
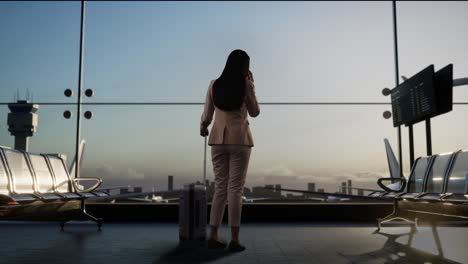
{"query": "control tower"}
{"type": "Point", "coordinates": [22, 122]}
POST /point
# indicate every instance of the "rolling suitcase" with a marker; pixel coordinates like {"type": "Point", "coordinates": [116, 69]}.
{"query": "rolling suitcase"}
{"type": "Point", "coordinates": [192, 214]}
{"type": "Point", "coordinates": [193, 211]}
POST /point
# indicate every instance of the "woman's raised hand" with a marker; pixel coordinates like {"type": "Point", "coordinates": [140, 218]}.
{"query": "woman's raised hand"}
{"type": "Point", "coordinates": [250, 76]}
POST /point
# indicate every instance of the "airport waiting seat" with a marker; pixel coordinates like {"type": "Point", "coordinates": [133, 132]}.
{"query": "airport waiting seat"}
{"type": "Point", "coordinates": [67, 187]}
{"type": "Point", "coordinates": [416, 179]}
{"type": "Point", "coordinates": [19, 177]}
{"type": "Point", "coordinates": [27, 178]}
{"type": "Point", "coordinates": [435, 178]}
{"type": "Point", "coordinates": [412, 188]}
{"type": "Point", "coordinates": [437, 186]}
{"type": "Point", "coordinates": [457, 183]}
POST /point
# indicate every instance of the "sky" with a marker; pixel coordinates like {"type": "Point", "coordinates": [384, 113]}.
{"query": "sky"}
{"type": "Point", "coordinates": [169, 52]}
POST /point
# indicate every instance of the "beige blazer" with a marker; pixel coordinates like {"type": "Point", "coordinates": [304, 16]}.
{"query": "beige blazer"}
{"type": "Point", "coordinates": [230, 127]}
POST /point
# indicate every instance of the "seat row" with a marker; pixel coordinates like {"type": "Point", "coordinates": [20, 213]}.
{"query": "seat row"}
{"type": "Point", "coordinates": [27, 177]}
{"type": "Point", "coordinates": [442, 177]}
{"type": "Point", "coordinates": [436, 187]}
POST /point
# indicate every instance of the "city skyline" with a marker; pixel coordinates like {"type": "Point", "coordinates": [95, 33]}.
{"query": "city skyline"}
{"type": "Point", "coordinates": [266, 191]}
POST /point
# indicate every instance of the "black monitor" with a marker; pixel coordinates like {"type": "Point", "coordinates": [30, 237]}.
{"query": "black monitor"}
{"type": "Point", "coordinates": [415, 99]}
{"type": "Point", "coordinates": [444, 89]}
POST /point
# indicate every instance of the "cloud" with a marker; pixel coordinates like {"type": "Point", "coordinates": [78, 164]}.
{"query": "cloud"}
{"type": "Point", "coordinates": [276, 174]}
{"type": "Point", "coordinates": [273, 178]}
{"type": "Point", "coordinates": [110, 172]}
{"type": "Point", "coordinates": [368, 175]}
{"type": "Point", "coordinates": [331, 180]}
{"type": "Point", "coordinates": [278, 170]}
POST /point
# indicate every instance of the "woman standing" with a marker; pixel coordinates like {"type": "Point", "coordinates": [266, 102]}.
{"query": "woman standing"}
{"type": "Point", "coordinates": [231, 97]}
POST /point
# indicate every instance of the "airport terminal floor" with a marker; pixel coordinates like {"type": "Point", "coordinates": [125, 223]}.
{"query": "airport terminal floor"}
{"type": "Point", "coordinates": [25, 242]}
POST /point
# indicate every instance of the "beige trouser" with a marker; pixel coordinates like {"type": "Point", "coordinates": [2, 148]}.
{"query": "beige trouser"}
{"type": "Point", "coordinates": [230, 163]}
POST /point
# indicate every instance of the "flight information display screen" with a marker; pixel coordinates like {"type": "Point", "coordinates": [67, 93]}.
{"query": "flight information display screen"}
{"type": "Point", "coordinates": [414, 100]}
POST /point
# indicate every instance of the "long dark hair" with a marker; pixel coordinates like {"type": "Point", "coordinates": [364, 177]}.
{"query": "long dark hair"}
{"type": "Point", "coordinates": [229, 88]}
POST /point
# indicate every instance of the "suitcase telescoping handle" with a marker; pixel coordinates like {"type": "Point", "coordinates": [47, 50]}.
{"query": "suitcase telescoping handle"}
{"type": "Point", "coordinates": [204, 163]}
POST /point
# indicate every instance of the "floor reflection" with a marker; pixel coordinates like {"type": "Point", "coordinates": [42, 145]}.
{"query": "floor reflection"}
{"type": "Point", "coordinates": [191, 254]}
{"type": "Point", "coordinates": [401, 248]}
{"type": "Point", "coordinates": [267, 243]}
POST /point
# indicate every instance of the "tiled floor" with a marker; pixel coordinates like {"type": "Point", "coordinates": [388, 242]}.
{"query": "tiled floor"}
{"type": "Point", "coordinates": [134, 243]}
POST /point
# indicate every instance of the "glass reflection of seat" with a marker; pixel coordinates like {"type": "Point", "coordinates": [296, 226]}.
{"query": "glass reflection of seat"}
{"type": "Point", "coordinates": [396, 252]}
{"type": "Point", "coordinates": [391, 250]}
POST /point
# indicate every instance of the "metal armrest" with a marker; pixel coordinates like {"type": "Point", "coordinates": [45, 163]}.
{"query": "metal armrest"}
{"type": "Point", "coordinates": [402, 187]}
{"type": "Point", "coordinates": [421, 195]}
{"type": "Point", "coordinates": [399, 195]}
{"type": "Point", "coordinates": [446, 195]}
{"type": "Point", "coordinates": [90, 189]}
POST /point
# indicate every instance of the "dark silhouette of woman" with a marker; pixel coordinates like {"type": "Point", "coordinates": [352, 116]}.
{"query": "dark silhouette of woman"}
{"type": "Point", "coordinates": [230, 98]}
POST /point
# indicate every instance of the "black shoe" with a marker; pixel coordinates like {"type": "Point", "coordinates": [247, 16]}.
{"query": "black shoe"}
{"type": "Point", "coordinates": [236, 247]}
{"type": "Point", "coordinates": [215, 244]}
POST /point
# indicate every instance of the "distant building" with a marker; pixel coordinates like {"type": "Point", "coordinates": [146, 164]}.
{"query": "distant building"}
{"type": "Point", "coordinates": [137, 189]}
{"type": "Point", "coordinates": [247, 192]}
{"type": "Point", "coordinates": [311, 186]}
{"type": "Point", "coordinates": [170, 182]}
{"type": "Point", "coordinates": [343, 187]}
{"type": "Point", "coordinates": [291, 196]}
{"type": "Point", "coordinates": [321, 190]}
{"type": "Point", "coordinates": [278, 190]}
{"type": "Point", "coordinates": [350, 190]}
{"type": "Point", "coordinates": [360, 192]}
{"type": "Point", "coordinates": [22, 122]}
{"type": "Point", "coordinates": [124, 190]}
{"type": "Point", "coordinates": [259, 191]}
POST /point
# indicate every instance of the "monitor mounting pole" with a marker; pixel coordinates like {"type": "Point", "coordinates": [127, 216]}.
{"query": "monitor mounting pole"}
{"type": "Point", "coordinates": [428, 137]}
{"type": "Point", "coordinates": [411, 145]}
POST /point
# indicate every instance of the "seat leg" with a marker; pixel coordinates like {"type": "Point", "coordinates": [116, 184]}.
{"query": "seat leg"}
{"type": "Point", "coordinates": [98, 221]}
{"type": "Point", "coordinates": [388, 217]}
{"type": "Point", "coordinates": [395, 216]}
{"type": "Point", "coordinates": [62, 226]}
{"type": "Point", "coordinates": [391, 218]}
